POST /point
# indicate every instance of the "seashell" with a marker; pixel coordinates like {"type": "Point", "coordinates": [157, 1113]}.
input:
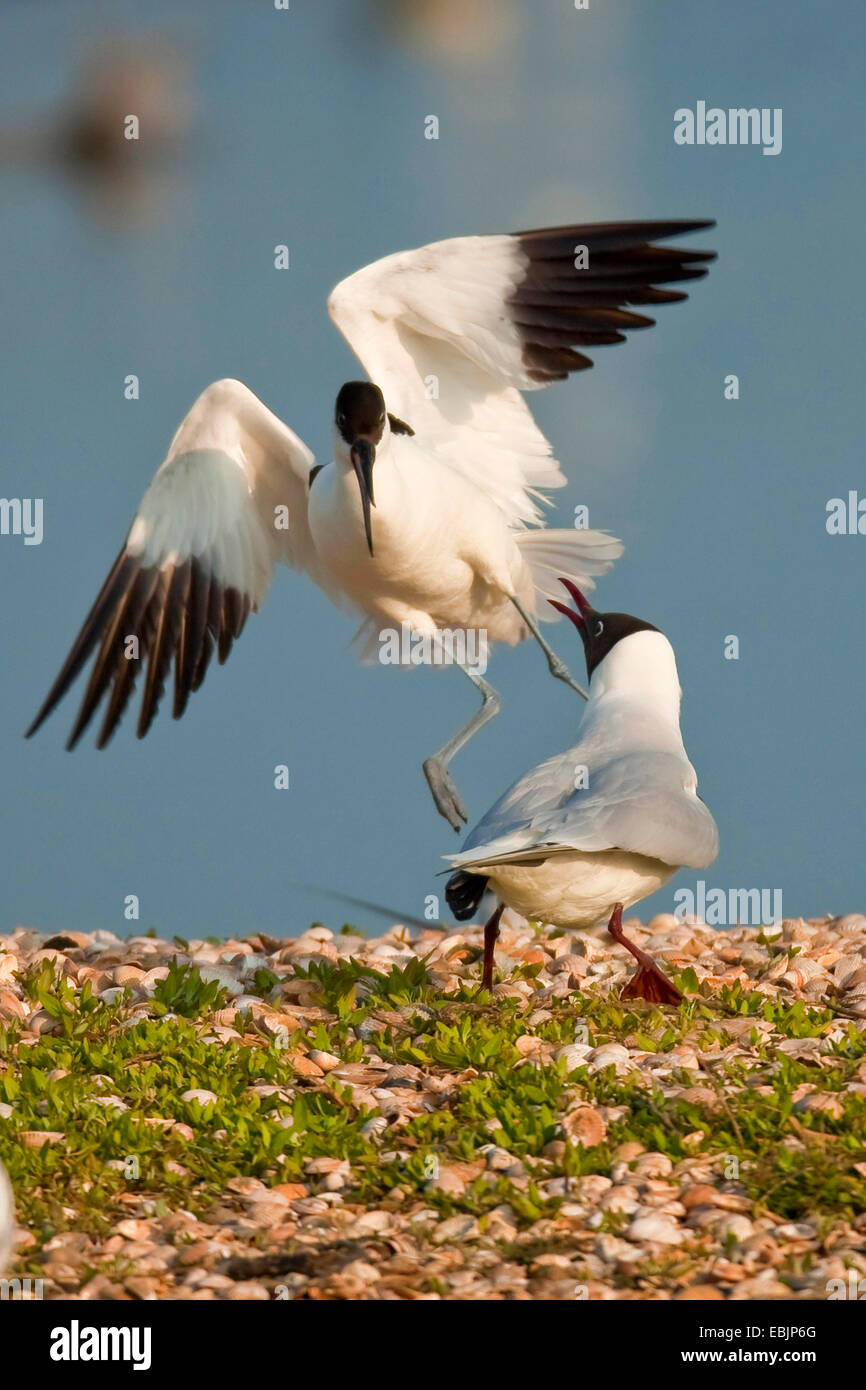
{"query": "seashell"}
{"type": "Point", "coordinates": [684, 1057]}
{"type": "Point", "coordinates": [629, 1151]}
{"type": "Point", "coordinates": [99, 979]}
{"type": "Point", "coordinates": [327, 1165]}
{"type": "Point", "coordinates": [40, 1021]}
{"type": "Point", "coordinates": [652, 1165]}
{"type": "Point", "coordinates": [801, 971]}
{"type": "Point", "coordinates": [610, 1248]}
{"type": "Point", "coordinates": [128, 975]}
{"type": "Point", "coordinates": [795, 978]}
{"type": "Point", "coordinates": [609, 1055]}
{"type": "Point", "coordinates": [740, 1227]}
{"type": "Point", "coordinates": [133, 1229]}
{"type": "Point", "coordinates": [35, 1138]}
{"type": "Point", "coordinates": [798, 929]}
{"type": "Point", "coordinates": [575, 1055]}
{"type": "Point", "coordinates": [845, 966]}
{"type": "Point", "coordinates": [623, 1198]}
{"type": "Point", "coordinates": [319, 933]}
{"type": "Point", "coordinates": [201, 1097]}
{"type": "Point", "coordinates": [326, 1060]}
{"type": "Point", "coordinates": [455, 1228]}
{"type": "Point", "coordinates": [824, 1102]}
{"type": "Point", "coordinates": [664, 921]}
{"type": "Point", "coordinates": [151, 978]}
{"type": "Point", "coordinates": [500, 1160]}
{"type": "Point", "coordinates": [592, 1188]}
{"type": "Point", "coordinates": [11, 1006]}
{"type": "Point", "coordinates": [778, 967]}
{"type": "Point", "coordinates": [112, 994]}
{"type": "Point", "coordinates": [225, 978]}
{"type": "Point", "coordinates": [815, 990]}
{"type": "Point", "coordinates": [9, 966]}
{"type": "Point", "coordinates": [853, 924]}
{"type": "Point", "coordinates": [375, 1127]}
{"type": "Point", "coordinates": [584, 1125]}
{"type": "Point", "coordinates": [656, 1230]}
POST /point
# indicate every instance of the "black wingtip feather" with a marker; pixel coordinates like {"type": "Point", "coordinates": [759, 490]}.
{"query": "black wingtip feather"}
{"type": "Point", "coordinates": [172, 598]}
{"type": "Point", "coordinates": [559, 306]}
{"type": "Point", "coordinates": [192, 637]}
{"type": "Point", "coordinates": [615, 235]}
{"type": "Point", "coordinates": [111, 651]}
{"type": "Point", "coordinates": [90, 634]}
{"type": "Point", "coordinates": [137, 622]}
{"type": "Point", "coordinates": [175, 611]}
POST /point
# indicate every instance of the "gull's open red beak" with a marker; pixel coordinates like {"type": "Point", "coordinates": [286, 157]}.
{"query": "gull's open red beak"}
{"type": "Point", "coordinates": [584, 608]}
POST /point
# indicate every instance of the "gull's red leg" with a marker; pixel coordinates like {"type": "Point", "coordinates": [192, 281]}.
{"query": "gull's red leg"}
{"type": "Point", "coordinates": [491, 935]}
{"type": "Point", "coordinates": [649, 982]}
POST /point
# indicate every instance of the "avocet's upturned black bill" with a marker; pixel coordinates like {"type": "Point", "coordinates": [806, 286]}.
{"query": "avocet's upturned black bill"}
{"type": "Point", "coordinates": [573, 851]}
{"type": "Point", "coordinates": [429, 518]}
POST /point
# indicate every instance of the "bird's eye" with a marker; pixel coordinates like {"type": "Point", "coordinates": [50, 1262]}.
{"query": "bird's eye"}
{"type": "Point", "coordinates": [341, 419]}
{"type": "Point", "coordinates": [599, 628]}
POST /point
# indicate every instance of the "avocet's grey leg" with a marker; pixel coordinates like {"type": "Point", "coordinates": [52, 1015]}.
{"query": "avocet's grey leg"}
{"type": "Point", "coordinates": [557, 667]}
{"type": "Point", "coordinates": [449, 802]}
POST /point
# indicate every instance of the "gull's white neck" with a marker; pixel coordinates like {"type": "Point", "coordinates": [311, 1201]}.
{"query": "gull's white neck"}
{"type": "Point", "coordinates": [641, 667]}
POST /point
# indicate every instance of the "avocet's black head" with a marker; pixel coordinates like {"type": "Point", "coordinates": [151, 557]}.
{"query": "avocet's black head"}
{"type": "Point", "coordinates": [360, 412]}
{"type": "Point", "coordinates": [360, 419]}
{"type": "Point", "coordinates": [599, 631]}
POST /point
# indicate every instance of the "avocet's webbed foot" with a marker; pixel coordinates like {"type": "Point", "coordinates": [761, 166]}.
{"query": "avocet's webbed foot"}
{"type": "Point", "coordinates": [449, 802]}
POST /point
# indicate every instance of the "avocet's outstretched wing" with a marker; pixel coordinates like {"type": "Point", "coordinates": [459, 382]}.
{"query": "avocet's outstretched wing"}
{"type": "Point", "coordinates": [229, 501]}
{"type": "Point", "coordinates": [453, 332]}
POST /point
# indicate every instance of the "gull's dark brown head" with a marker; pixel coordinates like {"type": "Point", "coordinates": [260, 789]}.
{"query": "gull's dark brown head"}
{"type": "Point", "coordinates": [599, 632]}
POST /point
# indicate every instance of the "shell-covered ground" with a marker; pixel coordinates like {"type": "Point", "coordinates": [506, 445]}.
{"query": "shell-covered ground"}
{"type": "Point", "coordinates": [334, 1117]}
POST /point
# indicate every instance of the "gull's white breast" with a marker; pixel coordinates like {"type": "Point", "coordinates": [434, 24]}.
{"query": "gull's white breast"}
{"type": "Point", "coordinates": [576, 889]}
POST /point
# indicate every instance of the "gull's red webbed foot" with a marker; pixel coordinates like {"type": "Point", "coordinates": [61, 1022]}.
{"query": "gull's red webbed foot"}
{"type": "Point", "coordinates": [650, 982]}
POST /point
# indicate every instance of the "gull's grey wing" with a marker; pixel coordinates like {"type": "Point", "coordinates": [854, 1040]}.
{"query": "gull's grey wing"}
{"type": "Point", "coordinates": [510, 822]}
{"type": "Point", "coordinates": [644, 802]}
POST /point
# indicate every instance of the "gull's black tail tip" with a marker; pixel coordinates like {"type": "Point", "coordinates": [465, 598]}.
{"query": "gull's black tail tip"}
{"type": "Point", "coordinates": [463, 893]}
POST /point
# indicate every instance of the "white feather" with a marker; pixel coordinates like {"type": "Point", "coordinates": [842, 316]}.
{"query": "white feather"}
{"type": "Point", "coordinates": [436, 319]}
{"type": "Point", "coordinates": [230, 464]}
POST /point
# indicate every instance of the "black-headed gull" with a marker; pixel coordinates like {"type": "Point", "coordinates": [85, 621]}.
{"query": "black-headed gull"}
{"type": "Point", "coordinates": [430, 514]}
{"type": "Point", "coordinates": [606, 823]}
